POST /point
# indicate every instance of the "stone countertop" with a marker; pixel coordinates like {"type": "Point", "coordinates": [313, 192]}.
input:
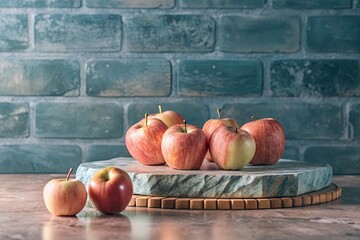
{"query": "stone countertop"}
{"type": "Point", "coordinates": [23, 216]}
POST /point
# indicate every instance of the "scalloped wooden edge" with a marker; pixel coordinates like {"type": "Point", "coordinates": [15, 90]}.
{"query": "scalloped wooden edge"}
{"type": "Point", "coordinates": [331, 193]}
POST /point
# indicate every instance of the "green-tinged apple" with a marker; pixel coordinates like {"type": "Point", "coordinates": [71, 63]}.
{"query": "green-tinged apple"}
{"type": "Point", "coordinates": [184, 146]}
{"type": "Point", "coordinates": [169, 117]}
{"type": "Point", "coordinates": [269, 136]}
{"type": "Point", "coordinates": [212, 124]}
{"type": "Point", "coordinates": [231, 148]}
{"type": "Point", "coordinates": [143, 141]}
{"type": "Point", "coordinates": [65, 197]}
{"type": "Point", "coordinates": [110, 190]}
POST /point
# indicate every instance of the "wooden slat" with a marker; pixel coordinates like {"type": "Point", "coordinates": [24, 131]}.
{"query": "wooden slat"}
{"type": "Point", "coordinates": [315, 199]}
{"type": "Point", "coordinates": [197, 203]}
{"type": "Point", "coordinates": [287, 202]}
{"type": "Point", "coordinates": [154, 202]}
{"type": "Point", "coordinates": [275, 203]}
{"type": "Point", "coordinates": [182, 203]}
{"type": "Point", "coordinates": [237, 204]}
{"type": "Point", "coordinates": [297, 201]}
{"type": "Point", "coordinates": [132, 202]}
{"type": "Point", "coordinates": [263, 203]}
{"type": "Point", "coordinates": [322, 197]}
{"type": "Point", "coordinates": [210, 204]}
{"type": "Point", "coordinates": [306, 200]}
{"type": "Point", "coordinates": [250, 204]}
{"type": "Point", "coordinates": [168, 203]}
{"type": "Point", "coordinates": [224, 204]}
{"type": "Point", "coordinates": [142, 201]}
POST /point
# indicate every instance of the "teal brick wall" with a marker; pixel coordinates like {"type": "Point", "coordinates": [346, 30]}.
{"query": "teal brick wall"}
{"type": "Point", "coordinates": [76, 74]}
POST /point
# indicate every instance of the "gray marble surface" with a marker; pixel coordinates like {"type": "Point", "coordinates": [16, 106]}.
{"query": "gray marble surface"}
{"type": "Point", "coordinates": [285, 178]}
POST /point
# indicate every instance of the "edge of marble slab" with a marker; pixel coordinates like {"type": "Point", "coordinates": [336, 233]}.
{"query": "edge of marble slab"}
{"type": "Point", "coordinates": [245, 184]}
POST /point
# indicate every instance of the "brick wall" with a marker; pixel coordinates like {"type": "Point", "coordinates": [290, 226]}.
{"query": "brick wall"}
{"type": "Point", "coordinates": [75, 74]}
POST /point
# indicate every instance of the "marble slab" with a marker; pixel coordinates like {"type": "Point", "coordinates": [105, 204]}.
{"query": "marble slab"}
{"type": "Point", "coordinates": [285, 178]}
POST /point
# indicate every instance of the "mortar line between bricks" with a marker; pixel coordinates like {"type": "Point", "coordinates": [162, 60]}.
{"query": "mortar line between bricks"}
{"type": "Point", "coordinates": [31, 24]}
{"type": "Point", "coordinates": [348, 127]}
{"type": "Point", "coordinates": [174, 91]}
{"type": "Point", "coordinates": [82, 90]}
{"type": "Point", "coordinates": [176, 10]}
{"type": "Point", "coordinates": [32, 120]}
{"type": "Point", "coordinates": [266, 75]}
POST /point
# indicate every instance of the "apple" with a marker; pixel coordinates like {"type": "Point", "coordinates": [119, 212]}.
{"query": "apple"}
{"type": "Point", "coordinates": [231, 148]}
{"type": "Point", "coordinates": [269, 137]}
{"type": "Point", "coordinates": [170, 118]}
{"type": "Point", "coordinates": [64, 197]}
{"type": "Point", "coordinates": [212, 124]}
{"type": "Point", "coordinates": [110, 190]}
{"type": "Point", "coordinates": [184, 146]}
{"type": "Point", "coordinates": [143, 141]}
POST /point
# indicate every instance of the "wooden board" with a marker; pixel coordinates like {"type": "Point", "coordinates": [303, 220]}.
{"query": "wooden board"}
{"type": "Point", "coordinates": [328, 194]}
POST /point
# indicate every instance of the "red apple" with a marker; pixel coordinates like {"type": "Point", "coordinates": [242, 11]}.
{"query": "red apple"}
{"type": "Point", "coordinates": [270, 140]}
{"type": "Point", "coordinates": [64, 197]}
{"type": "Point", "coordinates": [184, 146]}
{"type": "Point", "coordinates": [212, 124]}
{"type": "Point", "coordinates": [110, 190]}
{"type": "Point", "coordinates": [170, 118]}
{"type": "Point", "coordinates": [231, 148]}
{"type": "Point", "coordinates": [143, 141]}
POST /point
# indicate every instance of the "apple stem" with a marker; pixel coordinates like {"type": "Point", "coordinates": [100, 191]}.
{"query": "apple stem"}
{"type": "Point", "coordinates": [146, 119]}
{"type": "Point", "coordinates": [218, 110]}
{"type": "Point", "coordinates": [185, 126]}
{"type": "Point", "coordinates": [68, 175]}
{"type": "Point", "coordinates": [160, 109]}
{"type": "Point", "coordinates": [236, 130]}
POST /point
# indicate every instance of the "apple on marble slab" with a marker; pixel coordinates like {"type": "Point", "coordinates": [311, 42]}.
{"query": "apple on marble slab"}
{"type": "Point", "coordinates": [184, 146]}
{"type": "Point", "coordinates": [143, 140]}
{"type": "Point", "coordinates": [169, 117]}
{"type": "Point", "coordinates": [231, 148]}
{"type": "Point", "coordinates": [212, 124]}
{"type": "Point", "coordinates": [269, 137]}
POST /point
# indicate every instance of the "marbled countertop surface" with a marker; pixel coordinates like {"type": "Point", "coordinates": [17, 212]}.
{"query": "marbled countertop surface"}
{"type": "Point", "coordinates": [23, 216]}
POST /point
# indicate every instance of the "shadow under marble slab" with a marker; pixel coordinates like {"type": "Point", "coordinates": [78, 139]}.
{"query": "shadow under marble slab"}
{"type": "Point", "coordinates": [285, 178]}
